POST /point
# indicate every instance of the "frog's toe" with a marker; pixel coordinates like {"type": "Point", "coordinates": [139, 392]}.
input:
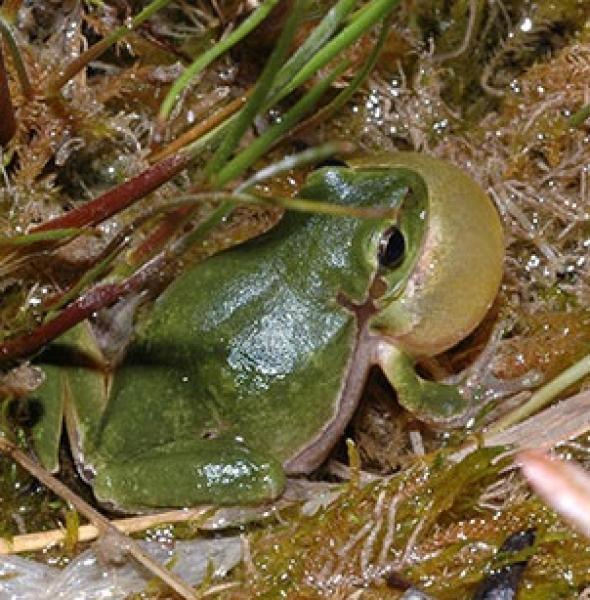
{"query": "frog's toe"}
{"type": "Point", "coordinates": [187, 473]}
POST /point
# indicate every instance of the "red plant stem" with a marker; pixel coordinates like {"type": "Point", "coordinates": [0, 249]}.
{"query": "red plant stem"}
{"type": "Point", "coordinates": [119, 198]}
{"type": "Point", "coordinates": [170, 223]}
{"type": "Point", "coordinates": [7, 119]}
{"type": "Point", "coordinates": [77, 311]}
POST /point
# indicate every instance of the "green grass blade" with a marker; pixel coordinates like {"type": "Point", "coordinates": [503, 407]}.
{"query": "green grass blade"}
{"type": "Point", "coordinates": [41, 236]}
{"type": "Point", "coordinates": [544, 395]}
{"type": "Point", "coordinates": [316, 39]}
{"type": "Point", "coordinates": [263, 143]}
{"type": "Point", "coordinates": [258, 96]}
{"type": "Point", "coordinates": [296, 161]}
{"type": "Point", "coordinates": [305, 205]}
{"type": "Point", "coordinates": [346, 94]}
{"type": "Point", "coordinates": [208, 57]}
{"type": "Point", "coordinates": [366, 19]}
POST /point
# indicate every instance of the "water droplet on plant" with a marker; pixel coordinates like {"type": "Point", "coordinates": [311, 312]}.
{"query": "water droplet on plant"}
{"type": "Point", "coordinates": [526, 25]}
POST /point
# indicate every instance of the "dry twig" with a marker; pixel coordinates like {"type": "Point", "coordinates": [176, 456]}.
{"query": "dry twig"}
{"type": "Point", "coordinates": [104, 527]}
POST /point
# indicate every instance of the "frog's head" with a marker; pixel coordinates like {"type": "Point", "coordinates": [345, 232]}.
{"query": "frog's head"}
{"type": "Point", "coordinates": [438, 265]}
{"type": "Point", "coordinates": [442, 262]}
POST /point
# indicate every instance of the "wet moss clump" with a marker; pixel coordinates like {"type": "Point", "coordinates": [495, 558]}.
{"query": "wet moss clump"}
{"type": "Point", "coordinates": [427, 528]}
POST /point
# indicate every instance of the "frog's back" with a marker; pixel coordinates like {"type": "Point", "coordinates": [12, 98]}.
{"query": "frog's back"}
{"type": "Point", "coordinates": [251, 342]}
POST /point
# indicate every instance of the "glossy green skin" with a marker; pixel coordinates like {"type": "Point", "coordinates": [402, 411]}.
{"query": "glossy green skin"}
{"type": "Point", "coordinates": [251, 363]}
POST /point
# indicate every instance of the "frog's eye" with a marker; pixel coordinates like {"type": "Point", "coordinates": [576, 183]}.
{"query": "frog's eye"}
{"type": "Point", "coordinates": [392, 248]}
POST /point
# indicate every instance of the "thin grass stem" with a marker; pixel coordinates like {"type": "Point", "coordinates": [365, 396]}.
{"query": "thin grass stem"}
{"type": "Point", "coordinates": [257, 98]}
{"type": "Point", "coordinates": [366, 19]}
{"type": "Point", "coordinates": [544, 396]}
{"type": "Point", "coordinates": [304, 205]}
{"type": "Point", "coordinates": [263, 143]}
{"type": "Point", "coordinates": [314, 41]}
{"type": "Point", "coordinates": [208, 57]}
{"type": "Point", "coordinates": [347, 93]}
{"type": "Point", "coordinates": [201, 128]}
{"type": "Point", "coordinates": [42, 236]}
{"type": "Point", "coordinates": [297, 161]}
{"type": "Point", "coordinates": [36, 542]}
{"type": "Point", "coordinates": [119, 198]}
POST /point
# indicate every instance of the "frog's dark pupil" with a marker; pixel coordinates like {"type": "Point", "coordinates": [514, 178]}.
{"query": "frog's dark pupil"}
{"type": "Point", "coordinates": [392, 248]}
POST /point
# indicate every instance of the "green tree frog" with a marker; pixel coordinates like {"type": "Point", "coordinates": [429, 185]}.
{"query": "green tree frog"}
{"type": "Point", "coordinates": [251, 364]}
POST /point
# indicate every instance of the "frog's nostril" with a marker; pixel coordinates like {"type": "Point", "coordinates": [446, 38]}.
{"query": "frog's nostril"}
{"type": "Point", "coordinates": [392, 248]}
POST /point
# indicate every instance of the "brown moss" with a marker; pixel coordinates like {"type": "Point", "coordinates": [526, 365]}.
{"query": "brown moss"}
{"type": "Point", "coordinates": [546, 341]}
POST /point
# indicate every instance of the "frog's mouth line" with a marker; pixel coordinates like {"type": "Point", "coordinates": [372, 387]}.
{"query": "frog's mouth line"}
{"type": "Point", "coordinates": [311, 456]}
{"type": "Point", "coordinates": [362, 311]}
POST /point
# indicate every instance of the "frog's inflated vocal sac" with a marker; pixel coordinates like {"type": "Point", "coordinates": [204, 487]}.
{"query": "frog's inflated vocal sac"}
{"type": "Point", "coordinates": [251, 364]}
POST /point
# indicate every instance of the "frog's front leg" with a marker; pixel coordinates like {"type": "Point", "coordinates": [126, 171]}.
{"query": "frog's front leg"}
{"type": "Point", "coordinates": [428, 399]}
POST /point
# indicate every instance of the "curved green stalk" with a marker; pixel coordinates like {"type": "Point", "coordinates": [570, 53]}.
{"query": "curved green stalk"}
{"type": "Point", "coordinates": [208, 57]}
{"type": "Point", "coordinates": [253, 105]}
{"type": "Point", "coordinates": [296, 161]}
{"type": "Point", "coordinates": [545, 395]}
{"type": "Point", "coordinates": [304, 205]}
{"type": "Point", "coordinates": [346, 94]}
{"type": "Point", "coordinates": [365, 20]}
{"type": "Point", "coordinates": [314, 41]}
{"type": "Point", "coordinates": [263, 143]}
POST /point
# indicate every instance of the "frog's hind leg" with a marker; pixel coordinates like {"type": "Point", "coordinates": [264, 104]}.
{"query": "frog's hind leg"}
{"type": "Point", "coordinates": [430, 400]}
{"type": "Point", "coordinates": [47, 403]}
{"type": "Point", "coordinates": [220, 470]}
{"type": "Point", "coordinates": [56, 399]}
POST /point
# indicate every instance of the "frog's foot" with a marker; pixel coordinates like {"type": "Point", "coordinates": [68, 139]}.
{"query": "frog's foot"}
{"type": "Point", "coordinates": [479, 381]}
{"type": "Point", "coordinates": [430, 400]}
{"type": "Point", "coordinates": [190, 472]}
